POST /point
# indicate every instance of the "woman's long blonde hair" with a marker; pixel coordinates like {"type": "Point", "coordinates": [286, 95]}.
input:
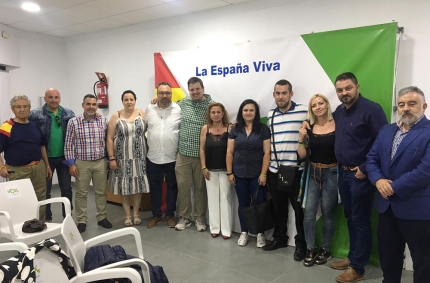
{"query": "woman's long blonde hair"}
{"type": "Point", "coordinates": [312, 117]}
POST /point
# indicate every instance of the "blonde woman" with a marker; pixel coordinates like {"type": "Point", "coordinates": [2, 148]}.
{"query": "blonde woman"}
{"type": "Point", "coordinates": [322, 178]}
{"type": "Point", "coordinates": [213, 150]}
{"type": "Point", "coordinates": [126, 146]}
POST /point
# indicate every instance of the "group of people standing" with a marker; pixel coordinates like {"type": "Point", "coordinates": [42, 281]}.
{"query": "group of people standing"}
{"type": "Point", "coordinates": [338, 156]}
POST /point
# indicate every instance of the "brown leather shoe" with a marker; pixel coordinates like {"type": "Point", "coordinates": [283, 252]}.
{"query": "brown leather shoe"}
{"type": "Point", "coordinates": [154, 221]}
{"type": "Point", "coordinates": [349, 276]}
{"type": "Point", "coordinates": [171, 223]}
{"type": "Point", "coordinates": [341, 264]}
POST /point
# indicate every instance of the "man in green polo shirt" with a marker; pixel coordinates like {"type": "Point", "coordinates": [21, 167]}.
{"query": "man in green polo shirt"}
{"type": "Point", "coordinates": [52, 121]}
{"type": "Point", "coordinates": [188, 166]}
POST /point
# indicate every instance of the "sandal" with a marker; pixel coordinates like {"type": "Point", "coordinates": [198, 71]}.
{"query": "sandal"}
{"type": "Point", "coordinates": [137, 220]}
{"type": "Point", "coordinates": [214, 235]}
{"type": "Point", "coordinates": [127, 221]}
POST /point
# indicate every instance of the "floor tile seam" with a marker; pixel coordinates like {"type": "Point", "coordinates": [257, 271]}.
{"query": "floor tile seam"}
{"type": "Point", "coordinates": [194, 257]}
{"type": "Point", "coordinates": [367, 273]}
{"type": "Point", "coordinates": [223, 266]}
{"type": "Point", "coordinates": [159, 246]}
{"type": "Point", "coordinates": [161, 253]}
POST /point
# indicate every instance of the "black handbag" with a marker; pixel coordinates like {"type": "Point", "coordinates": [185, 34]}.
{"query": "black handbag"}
{"type": "Point", "coordinates": [286, 177]}
{"type": "Point", "coordinates": [286, 174]}
{"type": "Point", "coordinates": [259, 218]}
{"type": "Point", "coordinates": [33, 226]}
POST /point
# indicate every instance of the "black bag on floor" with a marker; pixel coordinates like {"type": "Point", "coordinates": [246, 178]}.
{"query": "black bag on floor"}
{"type": "Point", "coordinates": [259, 218]}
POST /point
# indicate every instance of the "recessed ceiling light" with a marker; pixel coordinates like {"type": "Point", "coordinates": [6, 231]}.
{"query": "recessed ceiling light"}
{"type": "Point", "coordinates": [31, 7]}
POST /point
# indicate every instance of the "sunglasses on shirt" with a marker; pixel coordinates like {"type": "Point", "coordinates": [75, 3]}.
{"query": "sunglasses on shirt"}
{"type": "Point", "coordinates": [57, 119]}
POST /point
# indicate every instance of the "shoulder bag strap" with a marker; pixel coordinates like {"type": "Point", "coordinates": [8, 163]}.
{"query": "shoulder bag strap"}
{"type": "Point", "coordinates": [273, 137]}
{"type": "Point", "coordinates": [274, 147]}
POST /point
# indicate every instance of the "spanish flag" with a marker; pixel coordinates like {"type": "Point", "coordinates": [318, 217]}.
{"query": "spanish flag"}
{"type": "Point", "coordinates": [6, 128]}
{"type": "Point", "coordinates": [163, 74]}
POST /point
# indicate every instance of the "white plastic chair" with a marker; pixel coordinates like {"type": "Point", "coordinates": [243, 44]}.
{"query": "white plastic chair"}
{"type": "Point", "coordinates": [48, 268]}
{"type": "Point", "coordinates": [77, 248]}
{"type": "Point", "coordinates": [18, 203]}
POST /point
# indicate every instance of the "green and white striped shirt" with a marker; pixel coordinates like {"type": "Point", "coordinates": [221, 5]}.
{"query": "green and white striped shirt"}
{"type": "Point", "coordinates": [192, 120]}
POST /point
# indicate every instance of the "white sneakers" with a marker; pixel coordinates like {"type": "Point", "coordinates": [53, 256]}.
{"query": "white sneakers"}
{"type": "Point", "coordinates": [261, 241]}
{"type": "Point", "coordinates": [243, 239]}
{"type": "Point", "coordinates": [182, 224]}
{"type": "Point", "coordinates": [201, 226]}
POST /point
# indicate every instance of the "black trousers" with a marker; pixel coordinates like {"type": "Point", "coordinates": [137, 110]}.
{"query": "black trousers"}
{"type": "Point", "coordinates": [280, 206]}
{"type": "Point", "coordinates": [393, 233]}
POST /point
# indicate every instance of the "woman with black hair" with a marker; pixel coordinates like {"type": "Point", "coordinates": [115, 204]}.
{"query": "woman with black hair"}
{"type": "Point", "coordinates": [248, 157]}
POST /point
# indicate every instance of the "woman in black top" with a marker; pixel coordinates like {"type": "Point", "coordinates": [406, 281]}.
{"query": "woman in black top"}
{"type": "Point", "coordinates": [248, 157]}
{"type": "Point", "coordinates": [321, 180]}
{"type": "Point", "coordinates": [213, 149]}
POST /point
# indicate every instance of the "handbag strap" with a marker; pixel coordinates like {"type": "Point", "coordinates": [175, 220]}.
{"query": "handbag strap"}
{"type": "Point", "coordinates": [273, 141]}
{"type": "Point", "coordinates": [254, 197]}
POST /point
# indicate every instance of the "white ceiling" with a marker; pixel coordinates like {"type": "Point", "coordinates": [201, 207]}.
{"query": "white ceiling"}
{"type": "Point", "coordinates": [65, 18]}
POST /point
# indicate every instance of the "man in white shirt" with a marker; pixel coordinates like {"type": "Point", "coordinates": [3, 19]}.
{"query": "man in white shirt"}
{"type": "Point", "coordinates": [163, 120]}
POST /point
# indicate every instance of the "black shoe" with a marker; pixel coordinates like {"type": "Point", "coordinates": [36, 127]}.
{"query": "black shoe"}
{"type": "Point", "coordinates": [275, 244]}
{"type": "Point", "coordinates": [82, 227]}
{"type": "Point", "coordinates": [300, 252]}
{"type": "Point", "coordinates": [105, 223]}
{"type": "Point", "coordinates": [323, 256]}
{"type": "Point", "coordinates": [311, 255]}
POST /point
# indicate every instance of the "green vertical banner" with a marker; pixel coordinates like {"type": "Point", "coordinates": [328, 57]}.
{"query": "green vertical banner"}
{"type": "Point", "coordinates": [368, 52]}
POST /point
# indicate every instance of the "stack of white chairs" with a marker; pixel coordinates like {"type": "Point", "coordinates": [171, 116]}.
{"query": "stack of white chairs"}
{"type": "Point", "coordinates": [77, 248]}
{"type": "Point", "coordinates": [48, 268]}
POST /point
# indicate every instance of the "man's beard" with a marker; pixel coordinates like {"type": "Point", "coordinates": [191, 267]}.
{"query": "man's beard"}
{"type": "Point", "coordinates": [410, 120]}
{"type": "Point", "coordinates": [90, 113]}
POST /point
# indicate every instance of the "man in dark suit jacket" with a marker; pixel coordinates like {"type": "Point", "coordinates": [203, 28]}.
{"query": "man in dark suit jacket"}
{"type": "Point", "coordinates": [399, 166]}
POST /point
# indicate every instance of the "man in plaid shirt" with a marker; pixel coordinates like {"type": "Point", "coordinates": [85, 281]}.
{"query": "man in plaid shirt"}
{"type": "Point", "coordinates": [188, 167]}
{"type": "Point", "coordinates": [85, 153]}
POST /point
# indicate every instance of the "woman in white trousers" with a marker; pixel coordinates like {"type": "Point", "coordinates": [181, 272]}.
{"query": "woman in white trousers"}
{"type": "Point", "coordinates": [213, 150]}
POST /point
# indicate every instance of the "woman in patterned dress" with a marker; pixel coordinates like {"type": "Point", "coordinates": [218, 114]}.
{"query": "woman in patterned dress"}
{"type": "Point", "coordinates": [126, 146]}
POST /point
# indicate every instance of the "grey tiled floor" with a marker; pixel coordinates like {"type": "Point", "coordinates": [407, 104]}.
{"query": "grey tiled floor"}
{"type": "Point", "coordinates": [192, 256]}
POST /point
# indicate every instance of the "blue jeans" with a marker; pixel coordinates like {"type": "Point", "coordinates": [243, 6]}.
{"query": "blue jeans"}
{"type": "Point", "coordinates": [245, 188]}
{"type": "Point", "coordinates": [156, 176]}
{"type": "Point", "coordinates": [357, 198]}
{"type": "Point", "coordinates": [64, 181]}
{"type": "Point", "coordinates": [322, 184]}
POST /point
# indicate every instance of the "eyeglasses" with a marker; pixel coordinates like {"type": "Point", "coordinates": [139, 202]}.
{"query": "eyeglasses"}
{"type": "Point", "coordinates": [22, 107]}
{"type": "Point", "coordinates": [57, 119]}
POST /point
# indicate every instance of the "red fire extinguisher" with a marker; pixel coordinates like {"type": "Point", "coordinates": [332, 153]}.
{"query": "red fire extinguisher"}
{"type": "Point", "coordinates": [102, 90]}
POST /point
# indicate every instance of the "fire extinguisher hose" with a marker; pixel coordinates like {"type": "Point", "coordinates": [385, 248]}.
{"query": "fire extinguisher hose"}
{"type": "Point", "coordinates": [94, 88]}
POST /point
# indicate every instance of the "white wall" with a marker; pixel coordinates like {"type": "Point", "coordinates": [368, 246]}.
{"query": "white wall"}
{"type": "Point", "coordinates": [126, 54]}
{"type": "Point", "coordinates": [9, 54]}
{"type": "Point", "coordinates": [42, 65]}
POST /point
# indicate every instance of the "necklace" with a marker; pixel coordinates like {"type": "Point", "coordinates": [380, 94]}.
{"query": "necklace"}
{"type": "Point", "coordinates": [218, 129]}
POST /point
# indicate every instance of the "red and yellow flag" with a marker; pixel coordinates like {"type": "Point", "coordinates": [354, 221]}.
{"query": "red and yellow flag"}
{"type": "Point", "coordinates": [163, 74]}
{"type": "Point", "coordinates": [6, 128]}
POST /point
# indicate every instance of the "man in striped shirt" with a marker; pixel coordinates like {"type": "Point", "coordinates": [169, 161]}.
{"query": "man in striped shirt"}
{"type": "Point", "coordinates": [85, 153]}
{"type": "Point", "coordinates": [286, 122]}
